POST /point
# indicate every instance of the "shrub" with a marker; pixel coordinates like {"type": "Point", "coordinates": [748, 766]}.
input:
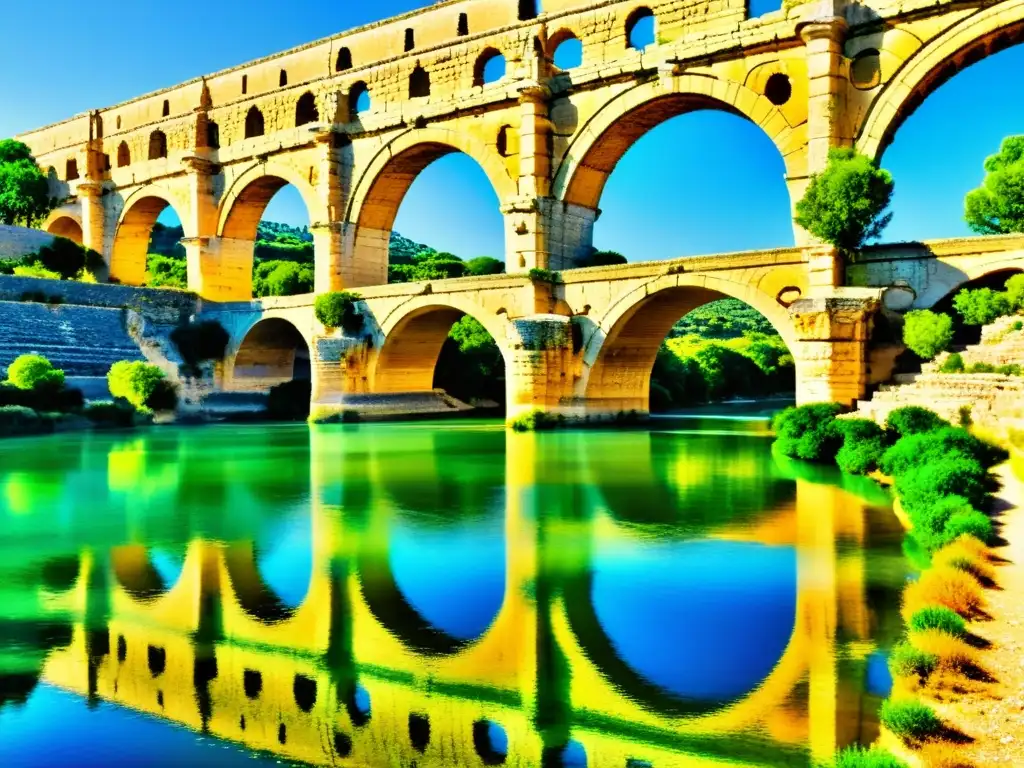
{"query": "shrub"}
{"type": "Point", "coordinates": [34, 372]}
{"type": "Point", "coordinates": [166, 271]}
{"type": "Point", "coordinates": [143, 385]}
{"type": "Point", "coordinates": [922, 448]}
{"type": "Point", "coordinates": [947, 587]}
{"type": "Point", "coordinates": [905, 661]}
{"type": "Point", "coordinates": [1011, 369]}
{"type": "Point", "coordinates": [858, 757]}
{"type": "Point", "coordinates": [845, 204]}
{"type": "Point", "coordinates": [66, 258]}
{"type": "Point", "coordinates": [1015, 295]}
{"type": "Point", "coordinates": [290, 401]}
{"type": "Point", "coordinates": [200, 342]}
{"type": "Point", "coordinates": [537, 421]}
{"type": "Point", "coordinates": [909, 719]}
{"type": "Point", "coordinates": [930, 521]}
{"type": "Point", "coordinates": [981, 306]}
{"type": "Point", "coordinates": [949, 652]}
{"type": "Point", "coordinates": [543, 275]}
{"type": "Point", "coordinates": [338, 310]}
{"type": "Point", "coordinates": [1017, 326]}
{"type": "Point", "coordinates": [484, 265]}
{"type": "Point", "coordinates": [982, 368]}
{"type": "Point", "coordinates": [809, 431]}
{"type": "Point", "coordinates": [928, 484]}
{"type": "Point", "coordinates": [911, 420]}
{"type": "Point", "coordinates": [117, 414]}
{"type": "Point", "coordinates": [37, 271]}
{"type": "Point", "coordinates": [969, 523]}
{"type": "Point", "coordinates": [953, 364]}
{"type": "Point", "coordinates": [16, 421]}
{"type": "Point", "coordinates": [927, 333]}
{"type": "Point", "coordinates": [863, 446]}
{"type": "Point", "coordinates": [938, 618]}
{"type": "Point", "coordinates": [282, 278]}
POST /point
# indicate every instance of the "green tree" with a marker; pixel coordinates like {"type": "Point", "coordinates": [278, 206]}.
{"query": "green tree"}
{"type": "Point", "coordinates": [24, 191]}
{"type": "Point", "coordinates": [845, 204]}
{"type": "Point", "coordinates": [33, 372]}
{"type": "Point", "coordinates": [981, 306]}
{"type": "Point", "coordinates": [166, 272]}
{"type": "Point", "coordinates": [484, 265]}
{"type": "Point", "coordinates": [997, 206]}
{"type": "Point", "coordinates": [282, 278]}
{"type": "Point", "coordinates": [927, 333]}
{"type": "Point", "coordinates": [143, 385]}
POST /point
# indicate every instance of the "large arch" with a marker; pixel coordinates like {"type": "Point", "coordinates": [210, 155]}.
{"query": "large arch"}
{"type": "Point", "coordinates": [591, 157]}
{"type": "Point", "coordinates": [273, 351]}
{"type": "Point", "coordinates": [66, 226]}
{"type": "Point", "coordinates": [979, 35]}
{"type": "Point", "coordinates": [619, 350]}
{"type": "Point", "coordinates": [411, 340]}
{"type": "Point", "coordinates": [379, 190]}
{"type": "Point", "coordinates": [135, 228]}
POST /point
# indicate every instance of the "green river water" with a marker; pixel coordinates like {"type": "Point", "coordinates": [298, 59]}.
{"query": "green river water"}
{"type": "Point", "coordinates": [439, 595]}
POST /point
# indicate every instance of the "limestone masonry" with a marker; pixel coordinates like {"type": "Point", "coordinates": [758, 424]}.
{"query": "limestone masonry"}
{"type": "Point", "coordinates": [351, 121]}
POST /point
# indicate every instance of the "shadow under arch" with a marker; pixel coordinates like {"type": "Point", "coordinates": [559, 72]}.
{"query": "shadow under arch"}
{"type": "Point", "coordinates": [622, 345]}
{"type": "Point", "coordinates": [625, 648]}
{"type": "Point", "coordinates": [249, 584]}
{"type": "Point", "coordinates": [66, 227]}
{"type": "Point", "coordinates": [413, 336]}
{"type": "Point", "coordinates": [134, 230]}
{"type": "Point", "coordinates": [588, 162]}
{"type": "Point", "coordinates": [273, 351]}
{"type": "Point", "coordinates": [379, 191]}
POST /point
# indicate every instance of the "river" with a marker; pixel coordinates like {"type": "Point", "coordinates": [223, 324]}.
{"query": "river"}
{"type": "Point", "coordinates": [439, 594]}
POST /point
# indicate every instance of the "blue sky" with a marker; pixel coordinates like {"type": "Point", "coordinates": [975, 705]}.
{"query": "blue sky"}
{"type": "Point", "coordinates": [701, 183]}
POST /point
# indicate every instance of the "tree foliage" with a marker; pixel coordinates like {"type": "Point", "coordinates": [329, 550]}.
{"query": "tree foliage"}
{"type": "Point", "coordinates": [845, 204]}
{"type": "Point", "coordinates": [24, 191]}
{"type": "Point", "coordinates": [997, 206]}
{"type": "Point", "coordinates": [927, 333]}
{"type": "Point", "coordinates": [34, 372]}
{"type": "Point", "coordinates": [981, 306]}
{"type": "Point", "coordinates": [338, 310]}
{"type": "Point", "coordinates": [143, 385]}
{"type": "Point", "coordinates": [282, 278]}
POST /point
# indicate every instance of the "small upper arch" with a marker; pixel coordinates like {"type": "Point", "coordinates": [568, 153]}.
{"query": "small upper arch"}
{"type": "Point", "coordinates": [344, 60]}
{"type": "Point", "coordinates": [640, 28]}
{"type": "Point", "coordinates": [305, 110]}
{"type": "Point", "coordinates": [565, 49]}
{"type": "Point", "coordinates": [489, 68]}
{"type": "Point", "coordinates": [254, 124]}
{"type": "Point", "coordinates": [124, 155]}
{"type": "Point", "coordinates": [157, 145]}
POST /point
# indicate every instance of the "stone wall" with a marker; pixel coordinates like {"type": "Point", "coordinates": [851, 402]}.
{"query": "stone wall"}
{"type": "Point", "coordinates": [99, 295]}
{"type": "Point", "coordinates": [16, 242]}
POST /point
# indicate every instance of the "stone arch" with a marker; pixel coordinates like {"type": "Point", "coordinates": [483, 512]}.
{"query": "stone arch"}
{"type": "Point", "coordinates": [253, 595]}
{"type": "Point", "coordinates": [344, 60]}
{"type": "Point", "coordinates": [637, 16]}
{"type": "Point", "coordinates": [247, 197]}
{"type": "Point", "coordinates": [137, 573]}
{"type": "Point", "coordinates": [479, 68]}
{"type": "Point", "coordinates": [272, 351]}
{"type": "Point", "coordinates": [590, 158]}
{"type": "Point", "coordinates": [66, 226]}
{"type": "Point", "coordinates": [135, 227]}
{"type": "Point", "coordinates": [124, 155]}
{"type": "Point", "coordinates": [419, 83]}
{"type": "Point", "coordinates": [558, 39]}
{"type": "Point", "coordinates": [379, 189]}
{"type": "Point", "coordinates": [254, 123]}
{"type": "Point", "coordinates": [157, 145]}
{"type": "Point", "coordinates": [620, 349]}
{"type": "Point", "coordinates": [305, 110]}
{"type": "Point", "coordinates": [412, 335]}
{"type": "Point", "coordinates": [979, 35]}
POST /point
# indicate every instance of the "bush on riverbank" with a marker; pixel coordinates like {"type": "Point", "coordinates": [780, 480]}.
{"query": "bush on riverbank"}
{"type": "Point", "coordinates": [856, 757]}
{"type": "Point", "coordinates": [946, 587]}
{"type": "Point", "coordinates": [940, 619]}
{"type": "Point", "coordinates": [909, 719]}
{"type": "Point", "coordinates": [143, 385]}
{"type": "Point", "coordinates": [809, 432]}
{"type": "Point", "coordinates": [537, 421]}
{"type": "Point", "coordinates": [290, 401]}
{"type": "Point", "coordinates": [18, 421]}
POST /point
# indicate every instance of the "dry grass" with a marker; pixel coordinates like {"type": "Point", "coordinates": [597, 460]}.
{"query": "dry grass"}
{"type": "Point", "coordinates": [950, 587]}
{"type": "Point", "coordinates": [972, 546]}
{"type": "Point", "coordinates": [952, 652]}
{"type": "Point", "coordinates": [963, 556]}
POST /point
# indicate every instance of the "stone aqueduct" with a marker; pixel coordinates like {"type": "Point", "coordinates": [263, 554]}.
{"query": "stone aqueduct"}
{"type": "Point", "coordinates": [351, 121]}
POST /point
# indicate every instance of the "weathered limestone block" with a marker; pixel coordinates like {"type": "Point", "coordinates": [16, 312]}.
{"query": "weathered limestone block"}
{"type": "Point", "coordinates": [539, 364]}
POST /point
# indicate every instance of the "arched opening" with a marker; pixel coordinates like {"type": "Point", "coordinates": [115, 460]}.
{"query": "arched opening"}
{"type": "Point", "coordinates": [67, 227]}
{"type": "Point", "coordinates": [212, 135]}
{"type": "Point", "coordinates": [640, 28]}
{"type": "Point", "coordinates": [566, 50]}
{"type": "Point", "coordinates": [254, 123]}
{"type": "Point", "coordinates": [157, 145]}
{"type": "Point", "coordinates": [245, 84]}
{"type": "Point", "coordinates": [344, 60]}
{"type": "Point", "coordinates": [419, 83]}
{"type": "Point", "coordinates": [658, 146]}
{"type": "Point", "coordinates": [489, 68]}
{"type": "Point", "coordinates": [71, 169]}
{"type": "Point", "coordinates": [928, 200]}
{"type": "Point", "coordinates": [406, 197]}
{"type": "Point", "coordinates": [282, 79]}
{"type": "Point", "coordinates": [463, 28]}
{"type": "Point", "coordinates": [269, 224]}
{"type": "Point", "coordinates": [124, 155]}
{"type": "Point", "coordinates": [684, 346]}
{"type": "Point", "coordinates": [147, 574]}
{"type": "Point", "coordinates": [490, 741]}
{"type": "Point", "coordinates": [410, 40]}
{"type": "Point", "coordinates": [305, 110]}
{"type": "Point", "coordinates": [149, 225]}
{"type": "Point", "coordinates": [358, 99]}
{"type": "Point", "coordinates": [167, 109]}
{"type": "Point", "coordinates": [528, 9]}
{"type": "Point", "coordinates": [273, 352]}
{"type": "Point", "coordinates": [440, 347]}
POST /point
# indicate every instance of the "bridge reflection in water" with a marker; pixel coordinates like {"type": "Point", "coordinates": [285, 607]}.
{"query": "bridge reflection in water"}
{"type": "Point", "coordinates": [557, 617]}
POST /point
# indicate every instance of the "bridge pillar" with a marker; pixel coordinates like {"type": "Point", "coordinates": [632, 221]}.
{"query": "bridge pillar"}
{"type": "Point", "coordinates": [831, 347]}
{"type": "Point", "coordinates": [220, 268]}
{"type": "Point", "coordinates": [94, 219]}
{"type": "Point", "coordinates": [539, 371]}
{"type": "Point", "coordinates": [332, 271]}
{"type": "Point", "coordinates": [827, 121]}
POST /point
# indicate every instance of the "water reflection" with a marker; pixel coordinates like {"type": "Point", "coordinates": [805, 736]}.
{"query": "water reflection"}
{"type": "Point", "coordinates": [459, 596]}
